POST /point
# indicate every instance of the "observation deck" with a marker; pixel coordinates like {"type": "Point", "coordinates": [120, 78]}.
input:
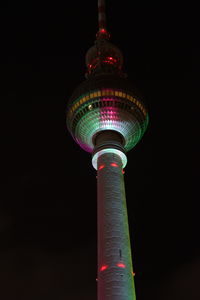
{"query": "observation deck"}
{"type": "Point", "coordinates": [106, 102]}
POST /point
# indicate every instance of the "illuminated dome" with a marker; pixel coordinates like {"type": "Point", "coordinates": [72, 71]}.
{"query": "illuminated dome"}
{"type": "Point", "coordinates": [104, 56]}
{"type": "Point", "coordinates": [106, 102]}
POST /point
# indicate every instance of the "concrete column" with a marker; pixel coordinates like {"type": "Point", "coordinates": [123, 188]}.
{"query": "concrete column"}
{"type": "Point", "coordinates": [115, 274]}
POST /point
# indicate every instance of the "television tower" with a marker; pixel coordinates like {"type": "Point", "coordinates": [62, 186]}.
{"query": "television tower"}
{"type": "Point", "coordinates": [107, 118]}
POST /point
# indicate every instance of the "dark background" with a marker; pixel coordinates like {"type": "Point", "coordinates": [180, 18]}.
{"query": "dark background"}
{"type": "Point", "coordinates": [48, 185]}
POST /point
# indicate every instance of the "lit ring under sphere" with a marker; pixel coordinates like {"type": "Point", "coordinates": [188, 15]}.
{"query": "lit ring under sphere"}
{"type": "Point", "coordinates": [106, 102]}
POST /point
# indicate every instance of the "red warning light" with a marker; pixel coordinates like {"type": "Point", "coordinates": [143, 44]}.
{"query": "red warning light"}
{"type": "Point", "coordinates": [103, 268]}
{"type": "Point", "coordinates": [102, 30]}
{"type": "Point", "coordinates": [110, 60]}
{"type": "Point", "coordinates": [114, 165]}
{"type": "Point", "coordinates": [121, 265]}
{"type": "Point", "coordinates": [101, 167]}
{"type": "Point", "coordinates": [123, 172]}
{"type": "Point", "coordinates": [103, 33]}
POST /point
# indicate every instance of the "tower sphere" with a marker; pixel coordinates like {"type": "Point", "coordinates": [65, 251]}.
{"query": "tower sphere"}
{"type": "Point", "coordinates": [106, 101]}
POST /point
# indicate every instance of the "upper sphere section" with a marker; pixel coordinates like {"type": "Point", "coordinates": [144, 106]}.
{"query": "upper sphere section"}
{"type": "Point", "coordinates": [104, 55]}
{"type": "Point", "coordinates": [106, 102]}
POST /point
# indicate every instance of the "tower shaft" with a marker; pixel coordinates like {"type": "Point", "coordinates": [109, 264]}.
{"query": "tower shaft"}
{"type": "Point", "coordinates": [115, 273]}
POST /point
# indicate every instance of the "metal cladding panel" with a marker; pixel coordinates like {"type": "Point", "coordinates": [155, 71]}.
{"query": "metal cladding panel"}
{"type": "Point", "coordinates": [115, 273]}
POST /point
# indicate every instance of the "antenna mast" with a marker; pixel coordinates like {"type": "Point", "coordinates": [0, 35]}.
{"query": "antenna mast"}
{"type": "Point", "coordinates": [102, 33]}
{"type": "Point", "coordinates": [101, 14]}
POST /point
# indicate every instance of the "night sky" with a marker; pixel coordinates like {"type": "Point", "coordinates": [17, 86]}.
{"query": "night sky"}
{"type": "Point", "coordinates": [48, 186]}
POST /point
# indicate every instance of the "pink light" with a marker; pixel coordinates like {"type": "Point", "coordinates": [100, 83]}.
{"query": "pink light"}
{"type": "Point", "coordinates": [103, 268]}
{"type": "Point", "coordinates": [114, 165]}
{"type": "Point", "coordinates": [101, 167]}
{"type": "Point", "coordinates": [121, 265]}
{"type": "Point", "coordinates": [105, 111]}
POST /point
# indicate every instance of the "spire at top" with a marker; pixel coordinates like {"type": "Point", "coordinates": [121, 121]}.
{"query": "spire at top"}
{"type": "Point", "coordinates": [103, 57]}
{"type": "Point", "coordinates": [101, 14]}
{"type": "Point", "coordinates": [102, 33]}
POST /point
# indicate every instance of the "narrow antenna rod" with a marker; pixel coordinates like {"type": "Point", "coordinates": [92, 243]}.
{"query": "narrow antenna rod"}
{"type": "Point", "coordinates": [101, 14]}
{"type": "Point", "coordinates": [102, 33]}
